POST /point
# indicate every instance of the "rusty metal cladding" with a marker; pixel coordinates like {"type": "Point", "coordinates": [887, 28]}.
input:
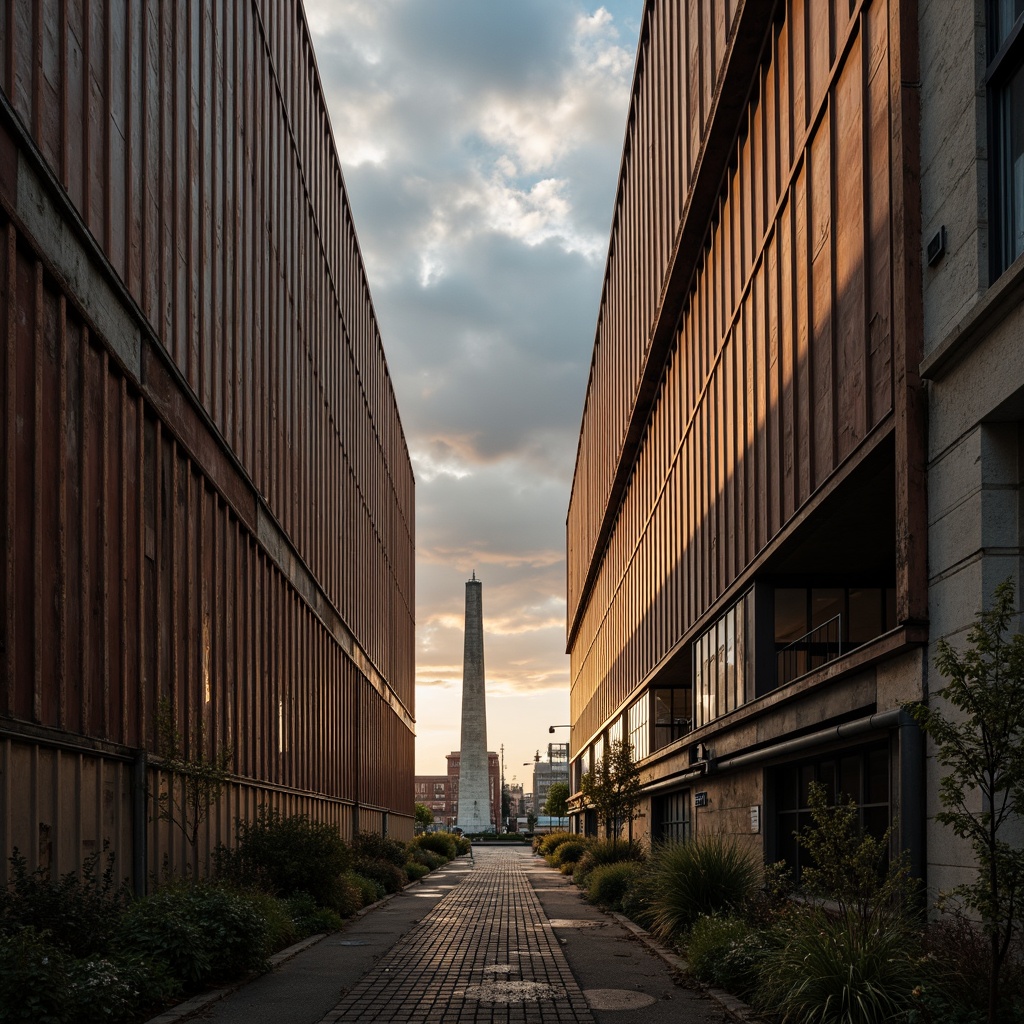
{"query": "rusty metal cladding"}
{"type": "Point", "coordinates": [744, 357]}
{"type": "Point", "coordinates": [207, 494]}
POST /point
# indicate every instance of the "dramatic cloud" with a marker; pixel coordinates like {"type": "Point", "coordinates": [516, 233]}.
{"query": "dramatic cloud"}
{"type": "Point", "coordinates": [480, 144]}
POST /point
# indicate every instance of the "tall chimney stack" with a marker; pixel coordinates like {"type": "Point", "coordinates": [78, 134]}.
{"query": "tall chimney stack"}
{"type": "Point", "coordinates": [474, 784]}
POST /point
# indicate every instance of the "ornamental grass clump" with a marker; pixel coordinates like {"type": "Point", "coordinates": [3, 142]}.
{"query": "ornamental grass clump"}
{"type": "Point", "coordinates": [706, 875]}
{"type": "Point", "coordinates": [603, 851]}
{"type": "Point", "coordinates": [830, 970]}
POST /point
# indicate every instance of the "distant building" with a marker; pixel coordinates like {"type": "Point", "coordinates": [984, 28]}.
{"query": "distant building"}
{"type": "Point", "coordinates": [432, 792]}
{"type": "Point", "coordinates": [545, 773]}
{"type": "Point", "coordinates": [493, 782]}
{"type": "Point", "coordinates": [516, 804]}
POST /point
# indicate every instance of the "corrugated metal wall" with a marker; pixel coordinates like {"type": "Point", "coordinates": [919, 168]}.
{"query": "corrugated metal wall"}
{"type": "Point", "coordinates": [208, 494]}
{"type": "Point", "coordinates": [781, 363]}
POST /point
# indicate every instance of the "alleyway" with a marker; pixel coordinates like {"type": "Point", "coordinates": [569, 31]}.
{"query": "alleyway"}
{"type": "Point", "coordinates": [501, 938]}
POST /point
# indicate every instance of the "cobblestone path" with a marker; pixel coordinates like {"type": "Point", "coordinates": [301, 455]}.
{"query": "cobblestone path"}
{"type": "Point", "coordinates": [484, 953]}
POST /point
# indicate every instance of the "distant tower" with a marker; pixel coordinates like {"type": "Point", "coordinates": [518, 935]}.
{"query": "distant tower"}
{"type": "Point", "coordinates": [474, 791]}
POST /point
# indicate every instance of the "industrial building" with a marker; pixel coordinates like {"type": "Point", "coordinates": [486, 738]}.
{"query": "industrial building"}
{"type": "Point", "coordinates": [207, 495]}
{"type": "Point", "coordinates": [748, 590]}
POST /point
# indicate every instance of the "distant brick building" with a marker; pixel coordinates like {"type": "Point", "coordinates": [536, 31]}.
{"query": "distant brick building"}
{"type": "Point", "coordinates": [432, 791]}
{"type": "Point", "coordinates": [493, 780]}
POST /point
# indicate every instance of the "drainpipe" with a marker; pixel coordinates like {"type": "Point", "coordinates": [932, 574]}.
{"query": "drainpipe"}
{"type": "Point", "coordinates": [910, 784]}
{"type": "Point", "coordinates": [139, 831]}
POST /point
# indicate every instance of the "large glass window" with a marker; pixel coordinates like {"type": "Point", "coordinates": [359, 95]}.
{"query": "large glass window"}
{"type": "Point", "coordinates": [815, 625]}
{"type": "Point", "coordinates": [639, 724]}
{"type": "Point", "coordinates": [1005, 78]}
{"type": "Point", "coordinates": [723, 672]}
{"type": "Point", "coordinates": [673, 714]}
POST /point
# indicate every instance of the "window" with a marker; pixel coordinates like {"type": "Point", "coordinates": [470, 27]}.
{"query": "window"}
{"type": "Point", "coordinates": [816, 625]}
{"type": "Point", "coordinates": [638, 717]}
{"type": "Point", "coordinates": [672, 816]}
{"type": "Point", "coordinates": [1005, 79]}
{"type": "Point", "coordinates": [673, 711]}
{"type": "Point", "coordinates": [861, 774]}
{"type": "Point", "coordinates": [723, 669]}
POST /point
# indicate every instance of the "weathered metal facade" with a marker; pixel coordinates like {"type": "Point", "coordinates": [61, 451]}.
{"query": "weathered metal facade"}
{"type": "Point", "coordinates": [753, 377]}
{"type": "Point", "coordinates": [207, 494]}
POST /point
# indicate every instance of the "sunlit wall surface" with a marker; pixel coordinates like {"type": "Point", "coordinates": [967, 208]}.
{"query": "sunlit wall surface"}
{"type": "Point", "coordinates": [208, 496]}
{"type": "Point", "coordinates": [750, 419]}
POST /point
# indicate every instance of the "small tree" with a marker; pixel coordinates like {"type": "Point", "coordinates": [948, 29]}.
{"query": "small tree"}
{"type": "Point", "coordinates": [201, 777]}
{"type": "Point", "coordinates": [613, 789]}
{"type": "Point", "coordinates": [851, 867]}
{"type": "Point", "coordinates": [557, 803]}
{"type": "Point", "coordinates": [531, 822]}
{"type": "Point", "coordinates": [424, 815]}
{"type": "Point", "coordinates": [982, 746]}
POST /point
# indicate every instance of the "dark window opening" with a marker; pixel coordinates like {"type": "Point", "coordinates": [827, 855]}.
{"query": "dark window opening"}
{"type": "Point", "coordinates": [672, 816]}
{"type": "Point", "coordinates": [1005, 79]}
{"type": "Point", "coordinates": [673, 714]}
{"type": "Point", "coordinates": [816, 625]}
{"type": "Point", "coordinates": [861, 774]}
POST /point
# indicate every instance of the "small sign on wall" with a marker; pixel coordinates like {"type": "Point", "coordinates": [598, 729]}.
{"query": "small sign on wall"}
{"type": "Point", "coordinates": [755, 818]}
{"type": "Point", "coordinates": [700, 800]}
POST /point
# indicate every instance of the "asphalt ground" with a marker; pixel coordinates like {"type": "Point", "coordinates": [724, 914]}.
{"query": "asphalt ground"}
{"type": "Point", "coordinates": [499, 939]}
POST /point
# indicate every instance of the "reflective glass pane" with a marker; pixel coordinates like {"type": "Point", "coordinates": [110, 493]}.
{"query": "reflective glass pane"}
{"type": "Point", "coordinates": [1007, 13]}
{"type": "Point", "coordinates": [1012, 169]}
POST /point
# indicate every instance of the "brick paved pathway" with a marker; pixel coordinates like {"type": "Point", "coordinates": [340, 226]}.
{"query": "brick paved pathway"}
{"type": "Point", "coordinates": [484, 953]}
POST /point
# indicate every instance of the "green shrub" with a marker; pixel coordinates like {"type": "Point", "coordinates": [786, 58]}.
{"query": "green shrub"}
{"type": "Point", "coordinates": [638, 900]}
{"type": "Point", "coordinates": [463, 845]}
{"type": "Point", "coordinates": [34, 984]}
{"type": "Point", "coordinates": [608, 884]}
{"type": "Point", "coordinates": [80, 911]}
{"type": "Point", "coordinates": [369, 891]}
{"type": "Point", "coordinates": [386, 874]}
{"type": "Point", "coordinates": [604, 851]}
{"type": "Point", "coordinates": [201, 932]}
{"type": "Point", "coordinates": [567, 852]}
{"type": "Point", "coordinates": [309, 919]}
{"type": "Point", "coordinates": [286, 855]}
{"type": "Point", "coordinates": [278, 918]}
{"type": "Point", "coordinates": [829, 970]}
{"type": "Point", "coordinates": [161, 928]}
{"type": "Point", "coordinates": [442, 843]}
{"type": "Point", "coordinates": [40, 983]}
{"type": "Point", "coordinates": [726, 952]}
{"type": "Point", "coordinates": [707, 875]}
{"type": "Point", "coordinates": [549, 843]}
{"type": "Point", "coordinates": [415, 871]}
{"type": "Point", "coordinates": [432, 860]}
{"type": "Point", "coordinates": [367, 846]}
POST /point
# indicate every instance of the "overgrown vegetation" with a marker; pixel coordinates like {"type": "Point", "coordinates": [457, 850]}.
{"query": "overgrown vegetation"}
{"type": "Point", "coordinates": [82, 948]}
{"type": "Point", "coordinates": [979, 740]}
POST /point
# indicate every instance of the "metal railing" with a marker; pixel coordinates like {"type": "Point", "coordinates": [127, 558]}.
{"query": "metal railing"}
{"type": "Point", "coordinates": [821, 645]}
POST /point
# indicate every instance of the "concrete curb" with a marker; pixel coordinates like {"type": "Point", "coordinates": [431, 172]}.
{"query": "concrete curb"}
{"type": "Point", "coordinates": [190, 1007]}
{"type": "Point", "coordinates": [736, 1008]}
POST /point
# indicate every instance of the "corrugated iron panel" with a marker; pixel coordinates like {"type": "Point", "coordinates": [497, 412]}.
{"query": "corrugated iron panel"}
{"type": "Point", "coordinates": [225, 518]}
{"type": "Point", "coordinates": [781, 363]}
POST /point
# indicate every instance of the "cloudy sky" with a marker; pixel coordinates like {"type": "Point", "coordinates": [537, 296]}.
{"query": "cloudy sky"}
{"type": "Point", "coordinates": [480, 143]}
